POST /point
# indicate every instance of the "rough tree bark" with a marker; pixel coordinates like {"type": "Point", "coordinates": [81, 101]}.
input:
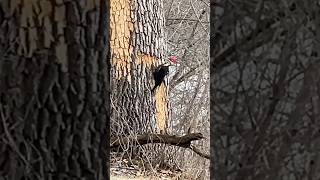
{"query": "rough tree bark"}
{"type": "Point", "coordinates": [53, 81]}
{"type": "Point", "coordinates": [137, 45]}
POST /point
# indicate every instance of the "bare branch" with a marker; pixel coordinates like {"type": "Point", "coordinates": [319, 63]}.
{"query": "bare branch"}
{"type": "Point", "coordinates": [198, 151]}
{"type": "Point", "coordinates": [181, 141]}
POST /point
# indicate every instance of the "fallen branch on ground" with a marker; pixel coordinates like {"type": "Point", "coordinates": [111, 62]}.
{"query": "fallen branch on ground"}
{"type": "Point", "coordinates": [181, 141]}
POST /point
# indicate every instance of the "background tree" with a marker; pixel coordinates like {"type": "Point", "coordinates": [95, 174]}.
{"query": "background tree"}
{"type": "Point", "coordinates": [187, 29]}
{"type": "Point", "coordinates": [53, 82]}
{"type": "Point", "coordinates": [265, 64]}
{"type": "Point", "coordinates": [137, 47]}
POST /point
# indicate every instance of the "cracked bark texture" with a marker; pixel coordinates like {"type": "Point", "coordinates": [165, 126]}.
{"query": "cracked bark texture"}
{"type": "Point", "coordinates": [137, 46]}
{"type": "Point", "coordinates": [53, 81]}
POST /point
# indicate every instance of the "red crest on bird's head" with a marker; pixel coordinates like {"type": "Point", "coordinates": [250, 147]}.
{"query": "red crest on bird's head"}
{"type": "Point", "coordinates": [173, 59]}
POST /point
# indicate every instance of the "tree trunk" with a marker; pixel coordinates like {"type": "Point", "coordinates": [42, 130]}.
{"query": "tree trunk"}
{"type": "Point", "coordinates": [53, 81]}
{"type": "Point", "coordinates": [137, 46]}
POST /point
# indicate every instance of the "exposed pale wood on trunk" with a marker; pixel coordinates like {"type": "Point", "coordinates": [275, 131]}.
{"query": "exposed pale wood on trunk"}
{"type": "Point", "coordinates": [162, 113]}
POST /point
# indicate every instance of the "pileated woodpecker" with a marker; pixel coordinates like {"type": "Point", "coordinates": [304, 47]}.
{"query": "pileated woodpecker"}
{"type": "Point", "coordinates": [161, 72]}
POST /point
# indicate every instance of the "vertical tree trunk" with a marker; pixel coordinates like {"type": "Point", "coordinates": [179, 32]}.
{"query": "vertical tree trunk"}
{"type": "Point", "coordinates": [53, 77]}
{"type": "Point", "coordinates": [137, 46]}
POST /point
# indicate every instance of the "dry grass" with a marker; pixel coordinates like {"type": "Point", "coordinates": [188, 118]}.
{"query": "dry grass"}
{"type": "Point", "coordinates": [125, 178]}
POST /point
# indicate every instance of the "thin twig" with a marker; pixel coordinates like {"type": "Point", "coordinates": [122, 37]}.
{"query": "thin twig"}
{"type": "Point", "coordinates": [10, 139]}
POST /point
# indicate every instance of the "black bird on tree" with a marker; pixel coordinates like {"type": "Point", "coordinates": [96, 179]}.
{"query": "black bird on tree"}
{"type": "Point", "coordinates": [162, 71]}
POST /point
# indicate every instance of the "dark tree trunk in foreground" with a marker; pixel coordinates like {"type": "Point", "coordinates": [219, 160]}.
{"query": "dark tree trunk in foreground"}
{"type": "Point", "coordinates": [53, 82]}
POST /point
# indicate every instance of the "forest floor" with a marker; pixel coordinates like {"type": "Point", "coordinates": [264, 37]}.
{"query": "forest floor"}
{"type": "Point", "coordinates": [123, 169]}
{"type": "Point", "coordinates": [128, 174]}
{"type": "Point", "coordinates": [112, 177]}
{"type": "Point", "coordinates": [137, 178]}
